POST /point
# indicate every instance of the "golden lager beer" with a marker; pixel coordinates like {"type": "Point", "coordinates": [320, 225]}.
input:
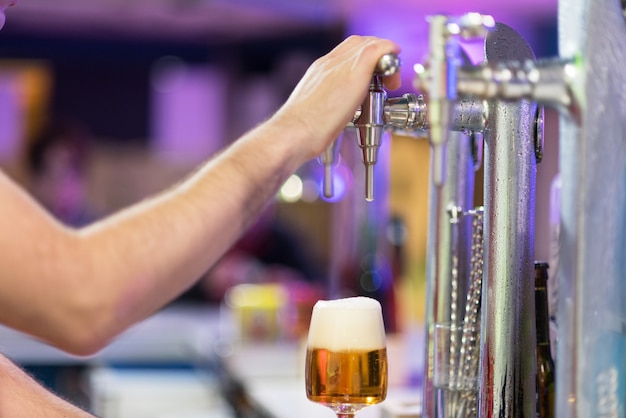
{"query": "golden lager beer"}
{"type": "Point", "coordinates": [346, 377]}
{"type": "Point", "coordinates": [346, 359]}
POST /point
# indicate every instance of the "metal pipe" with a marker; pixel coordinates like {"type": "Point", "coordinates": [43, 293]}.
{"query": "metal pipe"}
{"type": "Point", "coordinates": [408, 114]}
{"type": "Point", "coordinates": [549, 82]}
{"type": "Point", "coordinates": [507, 367]}
{"type": "Point", "coordinates": [439, 79]}
{"type": "Point", "coordinates": [448, 240]}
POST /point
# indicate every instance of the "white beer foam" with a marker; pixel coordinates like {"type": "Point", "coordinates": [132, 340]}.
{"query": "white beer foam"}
{"type": "Point", "coordinates": [347, 324]}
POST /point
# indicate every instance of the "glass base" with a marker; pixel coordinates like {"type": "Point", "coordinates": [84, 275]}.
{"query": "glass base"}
{"type": "Point", "coordinates": [346, 409]}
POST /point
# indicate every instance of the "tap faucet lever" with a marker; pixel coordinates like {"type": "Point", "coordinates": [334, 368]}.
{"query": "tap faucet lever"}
{"type": "Point", "coordinates": [369, 119]}
{"type": "Point", "coordinates": [370, 123]}
{"type": "Point", "coordinates": [388, 64]}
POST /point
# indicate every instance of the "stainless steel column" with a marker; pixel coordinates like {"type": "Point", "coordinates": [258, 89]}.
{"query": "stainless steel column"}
{"type": "Point", "coordinates": [591, 360]}
{"type": "Point", "coordinates": [507, 378]}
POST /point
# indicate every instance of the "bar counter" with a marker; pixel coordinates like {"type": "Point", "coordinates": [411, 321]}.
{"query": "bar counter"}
{"type": "Point", "coordinates": [179, 364]}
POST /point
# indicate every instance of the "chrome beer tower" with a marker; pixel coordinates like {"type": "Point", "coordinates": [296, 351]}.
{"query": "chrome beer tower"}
{"type": "Point", "coordinates": [501, 100]}
{"type": "Point", "coordinates": [586, 83]}
{"type": "Point", "coordinates": [455, 119]}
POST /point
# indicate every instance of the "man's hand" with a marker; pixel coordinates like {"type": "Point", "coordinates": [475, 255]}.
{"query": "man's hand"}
{"type": "Point", "coordinates": [327, 96]}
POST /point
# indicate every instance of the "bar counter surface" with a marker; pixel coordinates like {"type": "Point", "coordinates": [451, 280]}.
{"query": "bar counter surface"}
{"type": "Point", "coordinates": [185, 347]}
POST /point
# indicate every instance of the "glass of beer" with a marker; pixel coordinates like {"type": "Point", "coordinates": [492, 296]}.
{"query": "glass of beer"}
{"type": "Point", "coordinates": [346, 358]}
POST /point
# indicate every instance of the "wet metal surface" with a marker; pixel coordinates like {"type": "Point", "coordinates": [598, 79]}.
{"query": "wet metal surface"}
{"type": "Point", "coordinates": [507, 385]}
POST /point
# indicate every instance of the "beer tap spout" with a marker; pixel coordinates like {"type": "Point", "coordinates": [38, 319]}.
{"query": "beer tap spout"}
{"type": "Point", "coordinates": [370, 124]}
{"type": "Point", "coordinates": [438, 80]}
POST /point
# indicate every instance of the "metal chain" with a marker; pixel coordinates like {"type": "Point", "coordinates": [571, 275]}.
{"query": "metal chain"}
{"type": "Point", "coordinates": [455, 212]}
{"type": "Point", "coordinates": [469, 358]}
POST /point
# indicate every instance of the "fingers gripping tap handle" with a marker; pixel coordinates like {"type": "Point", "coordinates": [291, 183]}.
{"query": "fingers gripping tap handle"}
{"type": "Point", "coordinates": [369, 123]}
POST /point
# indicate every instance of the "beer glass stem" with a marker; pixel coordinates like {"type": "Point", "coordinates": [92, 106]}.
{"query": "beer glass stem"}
{"type": "Point", "coordinates": [343, 415]}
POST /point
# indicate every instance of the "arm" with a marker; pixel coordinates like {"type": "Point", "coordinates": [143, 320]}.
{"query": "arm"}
{"type": "Point", "coordinates": [21, 396]}
{"type": "Point", "coordinates": [77, 289]}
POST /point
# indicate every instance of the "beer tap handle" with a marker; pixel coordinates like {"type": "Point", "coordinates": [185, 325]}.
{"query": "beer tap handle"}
{"type": "Point", "coordinates": [370, 123]}
{"type": "Point", "coordinates": [388, 64]}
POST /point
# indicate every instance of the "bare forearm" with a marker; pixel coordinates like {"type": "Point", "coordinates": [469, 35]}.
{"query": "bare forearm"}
{"type": "Point", "coordinates": [116, 272]}
{"type": "Point", "coordinates": [79, 289]}
{"type": "Point", "coordinates": [21, 396]}
{"type": "Point", "coordinates": [157, 249]}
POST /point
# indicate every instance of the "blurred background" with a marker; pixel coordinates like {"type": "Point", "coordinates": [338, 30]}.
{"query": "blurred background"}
{"type": "Point", "coordinates": [154, 87]}
{"type": "Point", "coordinates": [160, 85]}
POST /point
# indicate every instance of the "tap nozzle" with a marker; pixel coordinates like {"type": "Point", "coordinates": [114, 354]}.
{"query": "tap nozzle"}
{"type": "Point", "coordinates": [439, 81]}
{"type": "Point", "coordinates": [370, 123]}
{"type": "Point", "coordinates": [328, 159]}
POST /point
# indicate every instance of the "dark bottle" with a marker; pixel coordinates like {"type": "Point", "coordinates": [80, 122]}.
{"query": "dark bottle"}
{"type": "Point", "coordinates": [545, 363]}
